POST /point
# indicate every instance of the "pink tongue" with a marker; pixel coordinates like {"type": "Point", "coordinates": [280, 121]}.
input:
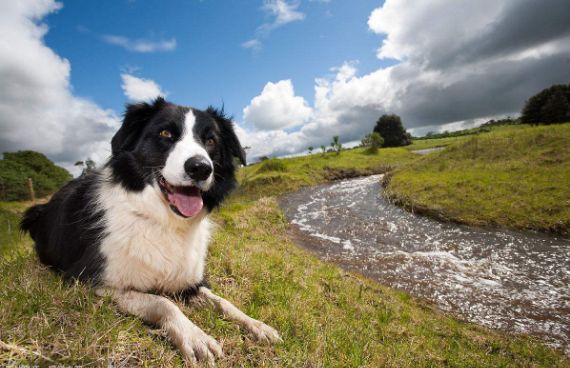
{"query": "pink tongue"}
{"type": "Point", "coordinates": [187, 200]}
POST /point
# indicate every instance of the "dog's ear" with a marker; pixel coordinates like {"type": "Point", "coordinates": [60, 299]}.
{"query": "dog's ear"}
{"type": "Point", "coordinates": [228, 133]}
{"type": "Point", "coordinates": [136, 117]}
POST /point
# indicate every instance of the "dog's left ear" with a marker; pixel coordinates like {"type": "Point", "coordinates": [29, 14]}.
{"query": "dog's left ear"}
{"type": "Point", "coordinates": [228, 133]}
{"type": "Point", "coordinates": [136, 118]}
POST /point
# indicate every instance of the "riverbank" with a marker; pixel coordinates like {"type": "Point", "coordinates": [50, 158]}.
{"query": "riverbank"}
{"type": "Point", "coordinates": [481, 275]}
{"type": "Point", "coordinates": [326, 316]}
{"type": "Point", "coordinates": [513, 177]}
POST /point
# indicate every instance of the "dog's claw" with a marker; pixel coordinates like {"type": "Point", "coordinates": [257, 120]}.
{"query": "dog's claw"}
{"type": "Point", "coordinates": [265, 333]}
{"type": "Point", "coordinates": [201, 347]}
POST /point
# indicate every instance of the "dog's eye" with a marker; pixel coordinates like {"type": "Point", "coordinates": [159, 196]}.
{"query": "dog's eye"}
{"type": "Point", "coordinates": [165, 134]}
{"type": "Point", "coordinates": [210, 142]}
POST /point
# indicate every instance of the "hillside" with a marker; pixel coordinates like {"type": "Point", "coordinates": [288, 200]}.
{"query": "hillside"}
{"type": "Point", "coordinates": [17, 167]}
{"type": "Point", "coordinates": [326, 316]}
{"type": "Point", "coordinates": [516, 177]}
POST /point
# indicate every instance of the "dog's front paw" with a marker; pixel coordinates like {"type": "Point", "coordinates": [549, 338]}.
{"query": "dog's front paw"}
{"type": "Point", "coordinates": [199, 346]}
{"type": "Point", "coordinates": [263, 332]}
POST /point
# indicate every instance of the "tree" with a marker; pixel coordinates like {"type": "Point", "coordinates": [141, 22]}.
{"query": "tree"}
{"type": "Point", "coordinates": [324, 148]}
{"type": "Point", "coordinates": [373, 141]}
{"type": "Point", "coordinates": [391, 129]}
{"type": "Point", "coordinates": [555, 109]}
{"type": "Point", "coordinates": [549, 106]}
{"type": "Point", "coordinates": [336, 145]}
{"type": "Point", "coordinates": [310, 149]}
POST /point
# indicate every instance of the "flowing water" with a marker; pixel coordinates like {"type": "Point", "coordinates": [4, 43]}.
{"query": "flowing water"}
{"type": "Point", "coordinates": [513, 281]}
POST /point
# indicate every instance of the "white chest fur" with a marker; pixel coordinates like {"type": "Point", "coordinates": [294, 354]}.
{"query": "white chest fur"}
{"type": "Point", "coordinates": [146, 246]}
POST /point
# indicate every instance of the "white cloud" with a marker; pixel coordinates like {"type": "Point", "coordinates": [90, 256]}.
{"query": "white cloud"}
{"type": "Point", "coordinates": [141, 45]}
{"type": "Point", "coordinates": [277, 107]}
{"type": "Point", "coordinates": [460, 63]}
{"type": "Point", "coordinates": [38, 110]}
{"type": "Point", "coordinates": [251, 44]}
{"type": "Point", "coordinates": [282, 12]}
{"type": "Point", "coordinates": [139, 89]}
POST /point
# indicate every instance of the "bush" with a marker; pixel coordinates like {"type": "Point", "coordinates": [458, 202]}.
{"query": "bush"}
{"type": "Point", "coordinates": [391, 129]}
{"type": "Point", "coordinates": [272, 164]}
{"type": "Point", "coordinates": [549, 106]}
{"type": "Point", "coordinates": [373, 141]}
{"type": "Point", "coordinates": [17, 167]}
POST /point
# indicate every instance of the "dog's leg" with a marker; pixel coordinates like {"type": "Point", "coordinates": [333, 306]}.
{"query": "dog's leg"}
{"type": "Point", "coordinates": [259, 329]}
{"type": "Point", "coordinates": [194, 343]}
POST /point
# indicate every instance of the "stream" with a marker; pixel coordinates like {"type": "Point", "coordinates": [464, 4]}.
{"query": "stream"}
{"type": "Point", "coordinates": [512, 281]}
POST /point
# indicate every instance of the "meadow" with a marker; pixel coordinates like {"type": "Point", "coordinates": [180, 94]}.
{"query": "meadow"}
{"type": "Point", "coordinates": [514, 177]}
{"type": "Point", "coordinates": [327, 317]}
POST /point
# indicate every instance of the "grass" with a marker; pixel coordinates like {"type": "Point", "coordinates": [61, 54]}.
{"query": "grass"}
{"type": "Point", "coordinates": [436, 142]}
{"type": "Point", "coordinates": [516, 177]}
{"type": "Point", "coordinates": [327, 317]}
{"type": "Point", "coordinates": [278, 176]}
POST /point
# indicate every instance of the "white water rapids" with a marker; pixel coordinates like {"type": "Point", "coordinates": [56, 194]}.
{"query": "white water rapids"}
{"type": "Point", "coordinates": [513, 281]}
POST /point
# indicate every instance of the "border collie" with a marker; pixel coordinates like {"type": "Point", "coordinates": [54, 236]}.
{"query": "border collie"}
{"type": "Point", "coordinates": [138, 229]}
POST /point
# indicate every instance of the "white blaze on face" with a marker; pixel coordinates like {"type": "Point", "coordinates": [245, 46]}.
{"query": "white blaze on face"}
{"type": "Point", "coordinates": [184, 149]}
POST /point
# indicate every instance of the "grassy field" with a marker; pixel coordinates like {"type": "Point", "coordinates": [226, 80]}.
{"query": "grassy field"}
{"type": "Point", "coordinates": [516, 177]}
{"type": "Point", "coordinates": [277, 176]}
{"type": "Point", "coordinates": [327, 317]}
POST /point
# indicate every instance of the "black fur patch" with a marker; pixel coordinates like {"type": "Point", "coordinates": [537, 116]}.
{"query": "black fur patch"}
{"type": "Point", "coordinates": [67, 230]}
{"type": "Point", "coordinates": [190, 292]}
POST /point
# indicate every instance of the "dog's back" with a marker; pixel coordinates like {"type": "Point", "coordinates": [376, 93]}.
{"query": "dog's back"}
{"type": "Point", "coordinates": [67, 228]}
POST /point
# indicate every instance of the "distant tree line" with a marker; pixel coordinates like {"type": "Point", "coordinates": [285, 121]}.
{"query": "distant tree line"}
{"type": "Point", "coordinates": [17, 167]}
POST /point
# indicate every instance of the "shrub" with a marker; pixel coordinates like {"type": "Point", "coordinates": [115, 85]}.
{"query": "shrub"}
{"type": "Point", "coordinates": [272, 164]}
{"type": "Point", "coordinates": [373, 141]}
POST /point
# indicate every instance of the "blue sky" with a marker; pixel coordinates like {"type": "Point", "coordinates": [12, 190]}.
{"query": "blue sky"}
{"type": "Point", "coordinates": [293, 73]}
{"type": "Point", "coordinates": [208, 65]}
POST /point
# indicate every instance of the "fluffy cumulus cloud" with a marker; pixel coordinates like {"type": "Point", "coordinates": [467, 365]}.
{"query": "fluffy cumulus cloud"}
{"type": "Point", "coordinates": [139, 89]}
{"type": "Point", "coordinates": [38, 110]}
{"type": "Point", "coordinates": [458, 63]}
{"type": "Point", "coordinates": [277, 107]}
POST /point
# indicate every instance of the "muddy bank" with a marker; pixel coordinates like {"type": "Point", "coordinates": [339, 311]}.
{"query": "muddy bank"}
{"type": "Point", "coordinates": [513, 281]}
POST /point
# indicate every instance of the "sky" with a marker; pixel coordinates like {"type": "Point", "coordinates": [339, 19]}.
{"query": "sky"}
{"type": "Point", "coordinates": [292, 73]}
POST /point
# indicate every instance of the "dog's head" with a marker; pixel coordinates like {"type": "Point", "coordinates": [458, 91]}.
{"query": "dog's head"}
{"type": "Point", "coordinates": [187, 154]}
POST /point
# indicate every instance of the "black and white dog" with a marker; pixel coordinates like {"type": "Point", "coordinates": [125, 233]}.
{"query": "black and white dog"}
{"type": "Point", "coordinates": [139, 227]}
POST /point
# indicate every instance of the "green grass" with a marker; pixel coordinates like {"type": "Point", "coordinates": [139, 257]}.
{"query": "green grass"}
{"type": "Point", "coordinates": [278, 176]}
{"type": "Point", "coordinates": [327, 317]}
{"type": "Point", "coordinates": [436, 142]}
{"type": "Point", "coordinates": [516, 177]}
{"type": "Point", "coordinates": [10, 214]}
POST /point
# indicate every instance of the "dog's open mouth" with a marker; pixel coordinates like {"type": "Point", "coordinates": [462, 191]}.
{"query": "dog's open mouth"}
{"type": "Point", "coordinates": [185, 201]}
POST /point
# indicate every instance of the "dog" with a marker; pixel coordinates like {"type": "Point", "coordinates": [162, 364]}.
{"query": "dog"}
{"type": "Point", "coordinates": [138, 228]}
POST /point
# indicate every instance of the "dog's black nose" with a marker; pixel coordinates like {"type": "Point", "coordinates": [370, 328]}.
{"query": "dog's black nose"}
{"type": "Point", "coordinates": [198, 168]}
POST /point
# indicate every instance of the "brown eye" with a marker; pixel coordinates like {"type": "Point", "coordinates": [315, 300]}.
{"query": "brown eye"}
{"type": "Point", "coordinates": [210, 142]}
{"type": "Point", "coordinates": [165, 134]}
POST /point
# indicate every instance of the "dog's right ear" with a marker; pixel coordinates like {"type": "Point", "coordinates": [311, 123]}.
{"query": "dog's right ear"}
{"type": "Point", "coordinates": [136, 117]}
